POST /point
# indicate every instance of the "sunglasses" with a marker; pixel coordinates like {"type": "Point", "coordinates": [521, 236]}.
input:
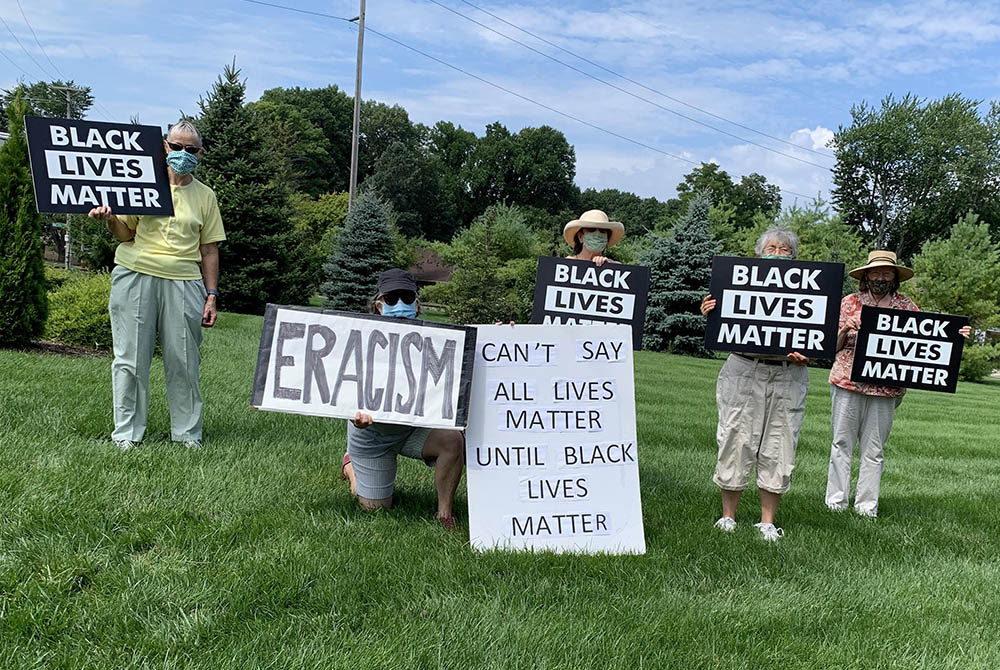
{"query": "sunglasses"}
{"type": "Point", "coordinates": [393, 297]}
{"type": "Point", "coordinates": [190, 148]}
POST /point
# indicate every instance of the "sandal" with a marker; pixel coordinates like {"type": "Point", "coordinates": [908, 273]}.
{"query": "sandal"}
{"type": "Point", "coordinates": [343, 466]}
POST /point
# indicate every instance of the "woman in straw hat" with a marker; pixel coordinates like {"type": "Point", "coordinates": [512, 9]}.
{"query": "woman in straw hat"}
{"type": "Point", "coordinates": [591, 234]}
{"type": "Point", "coordinates": [862, 413]}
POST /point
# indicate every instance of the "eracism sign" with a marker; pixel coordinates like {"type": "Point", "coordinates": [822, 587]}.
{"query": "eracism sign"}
{"type": "Point", "coordinates": [78, 165]}
{"type": "Point", "coordinates": [551, 448]}
{"type": "Point", "coordinates": [768, 306]}
{"type": "Point", "coordinates": [327, 363]}
{"type": "Point", "coordinates": [579, 292]}
{"type": "Point", "coordinates": [898, 347]}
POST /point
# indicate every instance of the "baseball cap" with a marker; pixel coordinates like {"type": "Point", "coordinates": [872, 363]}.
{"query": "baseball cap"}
{"type": "Point", "coordinates": [396, 280]}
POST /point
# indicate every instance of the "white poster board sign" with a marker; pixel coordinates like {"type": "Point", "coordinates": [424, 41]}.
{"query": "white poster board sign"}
{"type": "Point", "coordinates": [328, 363]}
{"type": "Point", "coordinates": [551, 447]}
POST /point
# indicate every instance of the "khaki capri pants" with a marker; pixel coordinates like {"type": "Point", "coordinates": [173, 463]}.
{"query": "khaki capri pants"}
{"type": "Point", "coordinates": [761, 405]}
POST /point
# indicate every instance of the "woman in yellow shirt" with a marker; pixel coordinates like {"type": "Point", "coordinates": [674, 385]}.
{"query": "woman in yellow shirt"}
{"type": "Point", "coordinates": [165, 283]}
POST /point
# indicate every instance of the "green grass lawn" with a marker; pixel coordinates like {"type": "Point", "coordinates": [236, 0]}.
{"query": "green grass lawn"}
{"type": "Point", "coordinates": [251, 553]}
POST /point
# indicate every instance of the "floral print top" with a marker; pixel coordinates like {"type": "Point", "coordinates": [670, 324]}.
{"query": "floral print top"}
{"type": "Point", "coordinates": [840, 374]}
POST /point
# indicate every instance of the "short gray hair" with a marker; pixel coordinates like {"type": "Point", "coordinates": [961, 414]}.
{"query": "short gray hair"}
{"type": "Point", "coordinates": [778, 234]}
{"type": "Point", "coordinates": [185, 126]}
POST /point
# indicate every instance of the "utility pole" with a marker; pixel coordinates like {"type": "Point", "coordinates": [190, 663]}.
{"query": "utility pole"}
{"type": "Point", "coordinates": [360, 18]}
{"type": "Point", "coordinates": [66, 237]}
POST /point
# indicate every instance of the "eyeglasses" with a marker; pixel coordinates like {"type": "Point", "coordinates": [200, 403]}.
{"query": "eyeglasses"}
{"type": "Point", "coordinates": [778, 249]}
{"type": "Point", "coordinates": [393, 297]}
{"type": "Point", "coordinates": [190, 148]}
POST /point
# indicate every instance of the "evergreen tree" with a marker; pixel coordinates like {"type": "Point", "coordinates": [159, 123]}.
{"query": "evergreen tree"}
{"type": "Point", "coordinates": [23, 303]}
{"type": "Point", "coordinates": [680, 272]}
{"type": "Point", "coordinates": [264, 259]}
{"type": "Point", "coordinates": [363, 251]}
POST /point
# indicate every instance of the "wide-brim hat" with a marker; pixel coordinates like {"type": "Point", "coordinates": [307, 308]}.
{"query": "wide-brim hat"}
{"type": "Point", "coordinates": [595, 218]}
{"type": "Point", "coordinates": [882, 259]}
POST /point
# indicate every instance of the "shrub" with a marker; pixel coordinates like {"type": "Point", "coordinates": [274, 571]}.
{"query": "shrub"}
{"type": "Point", "coordinates": [978, 361]}
{"type": "Point", "coordinates": [78, 312]}
{"type": "Point", "coordinates": [55, 277]}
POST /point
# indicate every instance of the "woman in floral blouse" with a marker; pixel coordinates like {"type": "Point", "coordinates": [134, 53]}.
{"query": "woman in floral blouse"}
{"type": "Point", "coordinates": [862, 413]}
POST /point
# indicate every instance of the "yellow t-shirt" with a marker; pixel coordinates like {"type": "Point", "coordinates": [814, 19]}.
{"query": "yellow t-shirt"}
{"type": "Point", "coordinates": [167, 246]}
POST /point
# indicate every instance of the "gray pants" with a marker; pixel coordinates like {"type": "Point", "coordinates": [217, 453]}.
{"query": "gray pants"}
{"type": "Point", "coordinates": [864, 420]}
{"type": "Point", "coordinates": [141, 307]}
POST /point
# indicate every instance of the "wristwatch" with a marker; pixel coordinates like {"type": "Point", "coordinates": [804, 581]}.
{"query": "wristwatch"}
{"type": "Point", "coordinates": [212, 291]}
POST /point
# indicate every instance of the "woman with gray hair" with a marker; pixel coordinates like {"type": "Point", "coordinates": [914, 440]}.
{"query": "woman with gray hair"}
{"type": "Point", "coordinates": [165, 283]}
{"type": "Point", "coordinates": [761, 402]}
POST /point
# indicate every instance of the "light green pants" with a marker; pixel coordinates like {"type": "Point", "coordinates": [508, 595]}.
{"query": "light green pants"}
{"type": "Point", "coordinates": [141, 307]}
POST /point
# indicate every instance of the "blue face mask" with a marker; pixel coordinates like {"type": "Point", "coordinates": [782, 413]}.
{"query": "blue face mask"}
{"type": "Point", "coordinates": [182, 162]}
{"type": "Point", "coordinates": [400, 310]}
{"type": "Point", "coordinates": [779, 257]}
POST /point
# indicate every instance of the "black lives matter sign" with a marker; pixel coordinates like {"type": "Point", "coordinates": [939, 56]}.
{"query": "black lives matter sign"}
{"type": "Point", "coordinates": [569, 291]}
{"type": "Point", "coordinates": [769, 306]}
{"type": "Point", "coordinates": [898, 347]}
{"type": "Point", "coordinates": [78, 165]}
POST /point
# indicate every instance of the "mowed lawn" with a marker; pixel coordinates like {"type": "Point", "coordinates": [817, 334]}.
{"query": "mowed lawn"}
{"type": "Point", "coordinates": [252, 554]}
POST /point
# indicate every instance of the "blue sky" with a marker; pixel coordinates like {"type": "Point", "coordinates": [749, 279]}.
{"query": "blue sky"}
{"type": "Point", "coordinates": [790, 70]}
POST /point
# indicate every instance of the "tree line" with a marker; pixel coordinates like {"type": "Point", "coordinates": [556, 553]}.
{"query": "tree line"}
{"type": "Point", "coordinates": [907, 172]}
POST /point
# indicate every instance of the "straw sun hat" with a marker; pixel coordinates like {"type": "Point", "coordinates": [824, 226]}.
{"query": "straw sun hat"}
{"type": "Point", "coordinates": [882, 259]}
{"type": "Point", "coordinates": [595, 218]}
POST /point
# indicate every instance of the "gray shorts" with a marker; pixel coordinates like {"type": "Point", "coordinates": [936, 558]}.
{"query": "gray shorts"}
{"type": "Point", "coordinates": [373, 453]}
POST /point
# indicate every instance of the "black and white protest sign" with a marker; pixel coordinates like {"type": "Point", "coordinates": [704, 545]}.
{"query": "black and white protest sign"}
{"type": "Point", "coordinates": [77, 165]}
{"type": "Point", "coordinates": [401, 371]}
{"type": "Point", "coordinates": [579, 292]}
{"type": "Point", "coordinates": [551, 446]}
{"type": "Point", "coordinates": [918, 350]}
{"type": "Point", "coordinates": [770, 306]}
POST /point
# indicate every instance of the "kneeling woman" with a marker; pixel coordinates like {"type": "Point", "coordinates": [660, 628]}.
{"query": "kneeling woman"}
{"type": "Point", "coordinates": [372, 448]}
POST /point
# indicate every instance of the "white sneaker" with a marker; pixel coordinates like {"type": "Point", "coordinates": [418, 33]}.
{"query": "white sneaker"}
{"type": "Point", "coordinates": [726, 524]}
{"type": "Point", "coordinates": [769, 532]}
{"type": "Point", "coordinates": [868, 513]}
{"type": "Point", "coordinates": [124, 445]}
{"type": "Point", "coordinates": [836, 508]}
{"type": "Point", "coordinates": [192, 444]}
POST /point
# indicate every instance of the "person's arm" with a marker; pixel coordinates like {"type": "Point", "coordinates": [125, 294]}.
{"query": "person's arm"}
{"type": "Point", "coordinates": [117, 227]}
{"type": "Point", "coordinates": [210, 275]}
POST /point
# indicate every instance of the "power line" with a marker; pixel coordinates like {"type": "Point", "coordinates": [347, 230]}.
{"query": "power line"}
{"type": "Point", "coordinates": [630, 93]}
{"type": "Point", "coordinates": [44, 53]}
{"type": "Point", "coordinates": [648, 88]}
{"type": "Point", "coordinates": [15, 64]}
{"type": "Point", "coordinates": [296, 9]}
{"type": "Point", "coordinates": [37, 64]}
{"type": "Point", "coordinates": [368, 28]}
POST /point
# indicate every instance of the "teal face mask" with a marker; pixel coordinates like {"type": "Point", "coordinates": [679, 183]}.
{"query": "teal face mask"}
{"type": "Point", "coordinates": [595, 241]}
{"type": "Point", "coordinates": [776, 257]}
{"type": "Point", "coordinates": [401, 310]}
{"type": "Point", "coordinates": [182, 162]}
